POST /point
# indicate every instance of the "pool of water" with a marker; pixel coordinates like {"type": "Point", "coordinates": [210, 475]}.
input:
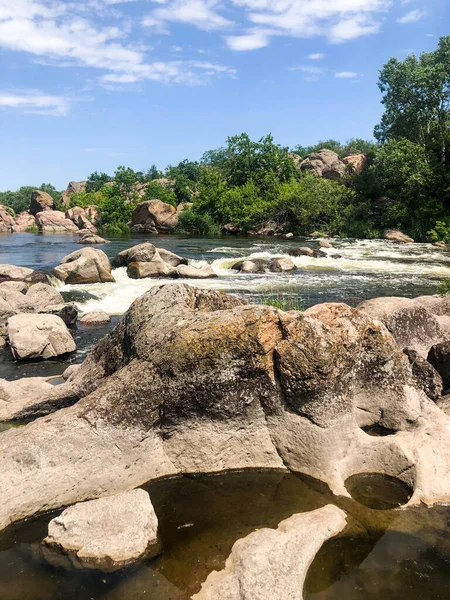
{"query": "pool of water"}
{"type": "Point", "coordinates": [384, 554]}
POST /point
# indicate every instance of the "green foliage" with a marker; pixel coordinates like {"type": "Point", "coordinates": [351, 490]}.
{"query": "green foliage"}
{"type": "Point", "coordinates": [282, 300]}
{"type": "Point", "coordinates": [85, 199]}
{"type": "Point", "coordinates": [157, 191]}
{"type": "Point", "coordinates": [193, 223]}
{"type": "Point", "coordinates": [444, 287]}
{"type": "Point", "coordinates": [96, 181]}
{"type": "Point", "coordinates": [439, 233]}
{"type": "Point", "coordinates": [20, 200]}
{"type": "Point", "coordinates": [32, 229]}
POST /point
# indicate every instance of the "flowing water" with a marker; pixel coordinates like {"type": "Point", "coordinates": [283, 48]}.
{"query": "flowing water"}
{"type": "Point", "coordinates": [382, 554]}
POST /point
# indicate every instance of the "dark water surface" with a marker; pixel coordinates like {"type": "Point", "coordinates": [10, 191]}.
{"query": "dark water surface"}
{"type": "Point", "coordinates": [382, 554]}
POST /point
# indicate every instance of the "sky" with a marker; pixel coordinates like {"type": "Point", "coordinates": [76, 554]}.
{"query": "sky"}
{"type": "Point", "coordinates": [88, 85]}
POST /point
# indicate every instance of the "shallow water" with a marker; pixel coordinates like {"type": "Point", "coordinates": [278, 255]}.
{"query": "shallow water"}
{"type": "Point", "coordinates": [389, 554]}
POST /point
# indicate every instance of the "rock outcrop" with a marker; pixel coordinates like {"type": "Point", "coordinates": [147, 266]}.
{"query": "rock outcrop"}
{"type": "Point", "coordinates": [109, 533]}
{"type": "Point", "coordinates": [197, 381]}
{"type": "Point", "coordinates": [51, 221]}
{"type": "Point", "coordinates": [154, 216]}
{"type": "Point", "coordinates": [13, 273]}
{"type": "Point", "coordinates": [23, 221]}
{"type": "Point", "coordinates": [39, 336]}
{"type": "Point", "coordinates": [7, 222]}
{"type": "Point", "coordinates": [324, 163]}
{"type": "Point", "coordinates": [273, 563]}
{"type": "Point", "coordinates": [74, 187]}
{"type": "Point", "coordinates": [40, 201]}
{"type": "Point", "coordinates": [41, 296]}
{"type": "Point", "coordinates": [87, 265]}
{"type": "Point", "coordinates": [394, 235]}
{"type": "Point", "coordinates": [357, 162]}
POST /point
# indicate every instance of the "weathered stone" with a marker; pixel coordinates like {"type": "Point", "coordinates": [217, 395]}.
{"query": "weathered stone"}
{"type": "Point", "coordinates": [51, 221]}
{"type": "Point", "coordinates": [16, 397]}
{"type": "Point", "coordinates": [191, 272]}
{"type": "Point", "coordinates": [70, 371]}
{"type": "Point", "coordinates": [39, 336]}
{"type": "Point", "coordinates": [302, 251]}
{"type": "Point", "coordinates": [13, 273]}
{"type": "Point", "coordinates": [412, 325]}
{"type": "Point", "coordinates": [273, 563]}
{"type": "Point", "coordinates": [356, 162]}
{"type": "Point", "coordinates": [42, 295]}
{"type": "Point", "coordinates": [140, 253]}
{"type": "Point", "coordinates": [154, 268]}
{"type": "Point", "coordinates": [95, 317]}
{"type": "Point", "coordinates": [94, 215]}
{"type": "Point", "coordinates": [231, 229]}
{"type": "Point", "coordinates": [6, 219]}
{"type": "Point", "coordinates": [426, 376]}
{"type": "Point", "coordinates": [268, 228]}
{"type": "Point", "coordinates": [438, 305]}
{"type": "Point", "coordinates": [439, 357]}
{"type": "Point", "coordinates": [40, 201]}
{"type": "Point", "coordinates": [16, 286]}
{"type": "Point", "coordinates": [109, 533]}
{"type": "Point", "coordinates": [393, 235]}
{"type": "Point", "coordinates": [324, 163]}
{"type": "Point", "coordinates": [155, 213]}
{"type": "Point", "coordinates": [87, 265]}
{"type": "Point", "coordinates": [67, 312]}
{"type": "Point", "coordinates": [74, 212]}
{"type": "Point", "coordinates": [91, 238]}
{"type": "Point", "coordinates": [74, 187]}
{"type": "Point", "coordinates": [257, 265]}
{"type": "Point", "coordinates": [324, 244]}
{"type": "Point", "coordinates": [281, 265]}
{"type": "Point", "coordinates": [17, 301]}
{"type": "Point", "coordinates": [171, 259]}
{"type": "Point", "coordinates": [23, 221]}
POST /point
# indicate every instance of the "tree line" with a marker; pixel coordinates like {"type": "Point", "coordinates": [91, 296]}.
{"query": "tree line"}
{"type": "Point", "coordinates": [406, 183]}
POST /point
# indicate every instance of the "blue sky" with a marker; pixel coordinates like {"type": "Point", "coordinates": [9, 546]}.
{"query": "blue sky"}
{"type": "Point", "coordinates": [89, 85]}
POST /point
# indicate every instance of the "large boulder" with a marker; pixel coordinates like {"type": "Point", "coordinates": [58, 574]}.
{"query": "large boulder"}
{"type": "Point", "coordinates": [412, 325]}
{"type": "Point", "coordinates": [109, 533]}
{"type": "Point", "coordinates": [51, 221]}
{"type": "Point", "coordinates": [324, 163]}
{"type": "Point", "coordinates": [39, 336]}
{"type": "Point", "coordinates": [23, 221]}
{"type": "Point", "coordinates": [268, 228]}
{"type": "Point", "coordinates": [40, 202]}
{"type": "Point", "coordinates": [428, 379]}
{"type": "Point", "coordinates": [154, 216]}
{"type": "Point", "coordinates": [41, 296]}
{"type": "Point", "coordinates": [74, 187]}
{"type": "Point", "coordinates": [256, 265]}
{"type": "Point", "coordinates": [16, 300]}
{"type": "Point", "coordinates": [19, 399]}
{"type": "Point", "coordinates": [357, 162]}
{"type": "Point", "coordinates": [281, 265]}
{"type": "Point", "coordinates": [6, 219]}
{"type": "Point", "coordinates": [438, 305]}
{"type": "Point", "coordinates": [87, 265]}
{"type": "Point", "coordinates": [13, 273]}
{"type": "Point", "coordinates": [190, 272]}
{"type": "Point", "coordinates": [394, 235]}
{"type": "Point", "coordinates": [273, 563]}
{"type": "Point", "coordinates": [439, 357]}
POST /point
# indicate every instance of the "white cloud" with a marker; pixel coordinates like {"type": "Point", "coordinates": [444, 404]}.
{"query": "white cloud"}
{"type": "Point", "coordinates": [201, 13]}
{"type": "Point", "coordinates": [251, 41]}
{"type": "Point", "coordinates": [412, 16]}
{"type": "Point", "coordinates": [316, 56]}
{"type": "Point", "coordinates": [346, 74]}
{"type": "Point", "coordinates": [35, 102]}
{"type": "Point", "coordinates": [311, 73]}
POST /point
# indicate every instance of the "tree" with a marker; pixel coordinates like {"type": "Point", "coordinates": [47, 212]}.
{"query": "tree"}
{"type": "Point", "coordinates": [96, 181]}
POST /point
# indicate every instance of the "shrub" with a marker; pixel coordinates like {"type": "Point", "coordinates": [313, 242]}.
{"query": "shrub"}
{"type": "Point", "coordinates": [193, 223]}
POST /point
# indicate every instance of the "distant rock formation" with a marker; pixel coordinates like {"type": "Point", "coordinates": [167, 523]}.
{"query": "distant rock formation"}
{"type": "Point", "coordinates": [40, 201]}
{"type": "Point", "coordinates": [155, 216]}
{"type": "Point", "coordinates": [74, 187]}
{"type": "Point", "coordinates": [327, 164]}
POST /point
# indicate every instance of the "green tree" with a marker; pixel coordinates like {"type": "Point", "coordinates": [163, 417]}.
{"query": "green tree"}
{"type": "Point", "coordinates": [96, 181]}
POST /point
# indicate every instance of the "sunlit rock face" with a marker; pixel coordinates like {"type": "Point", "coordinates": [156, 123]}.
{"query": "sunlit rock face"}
{"type": "Point", "coordinates": [196, 381]}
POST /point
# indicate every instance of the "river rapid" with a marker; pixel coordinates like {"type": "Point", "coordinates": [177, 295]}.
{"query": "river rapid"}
{"type": "Point", "coordinates": [351, 271]}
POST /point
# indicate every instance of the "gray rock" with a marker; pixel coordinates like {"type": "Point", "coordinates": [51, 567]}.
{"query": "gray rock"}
{"type": "Point", "coordinates": [109, 533]}
{"type": "Point", "coordinates": [273, 563]}
{"type": "Point", "coordinates": [428, 379]}
{"type": "Point", "coordinates": [67, 312]}
{"type": "Point", "coordinates": [51, 221]}
{"type": "Point", "coordinates": [438, 305]}
{"type": "Point", "coordinates": [257, 265]}
{"type": "Point", "coordinates": [39, 336]}
{"type": "Point", "coordinates": [324, 163]}
{"type": "Point", "coordinates": [16, 286]}
{"type": "Point", "coordinates": [190, 272]}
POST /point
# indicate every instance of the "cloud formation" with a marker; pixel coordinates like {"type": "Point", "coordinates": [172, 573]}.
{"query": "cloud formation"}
{"type": "Point", "coordinates": [35, 102]}
{"type": "Point", "coordinates": [412, 16]}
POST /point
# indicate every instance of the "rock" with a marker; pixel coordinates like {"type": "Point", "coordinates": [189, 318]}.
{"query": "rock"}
{"type": "Point", "coordinates": [6, 219]}
{"type": "Point", "coordinates": [318, 234]}
{"type": "Point", "coordinates": [140, 253]}
{"type": "Point", "coordinates": [13, 273]}
{"type": "Point", "coordinates": [231, 229]}
{"type": "Point", "coordinates": [444, 404]}
{"type": "Point", "coordinates": [438, 305]}
{"type": "Point", "coordinates": [6, 311]}
{"type": "Point", "coordinates": [273, 563]}
{"type": "Point", "coordinates": [16, 300]}
{"type": "Point", "coordinates": [324, 244]}
{"type": "Point", "coordinates": [324, 163]}
{"type": "Point", "coordinates": [70, 371]}
{"type": "Point", "coordinates": [52, 221]}
{"type": "Point", "coordinates": [269, 228]}
{"type": "Point", "coordinates": [257, 265]}
{"type": "Point", "coordinates": [155, 268]}
{"type": "Point", "coordinates": [74, 187]}
{"type": "Point", "coordinates": [67, 312]}
{"type": "Point", "coordinates": [37, 277]}
{"type": "Point", "coordinates": [171, 259]}
{"type": "Point", "coordinates": [441, 245]}
{"type": "Point", "coordinates": [95, 317]}
{"type": "Point", "coordinates": [145, 260]}
{"type": "Point", "coordinates": [87, 265]}
{"type": "Point", "coordinates": [412, 325]}
{"type": "Point", "coordinates": [190, 272]}
{"type": "Point", "coordinates": [39, 336]}
{"type": "Point", "coordinates": [42, 295]}
{"type": "Point", "coordinates": [289, 235]}
{"type": "Point", "coordinates": [17, 396]}
{"type": "Point", "coordinates": [393, 235]}
{"type": "Point", "coordinates": [23, 221]}
{"type": "Point", "coordinates": [428, 379]}
{"type": "Point", "coordinates": [154, 214]}
{"type": "Point", "coordinates": [357, 162]}
{"type": "Point", "coordinates": [40, 201]}
{"type": "Point", "coordinates": [193, 381]}
{"type": "Point", "coordinates": [16, 286]}
{"type": "Point", "coordinates": [94, 215]}
{"type": "Point", "coordinates": [74, 213]}
{"type": "Point", "coordinates": [302, 251]}
{"type": "Point", "coordinates": [91, 238]}
{"type": "Point", "coordinates": [439, 357]}
{"type": "Point", "coordinates": [109, 533]}
{"type": "Point", "coordinates": [281, 265]}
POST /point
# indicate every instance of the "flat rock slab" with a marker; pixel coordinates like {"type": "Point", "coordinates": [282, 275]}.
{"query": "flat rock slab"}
{"type": "Point", "coordinates": [39, 336]}
{"type": "Point", "coordinates": [109, 533]}
{"type": "Point", "coordinates": [272, 564]}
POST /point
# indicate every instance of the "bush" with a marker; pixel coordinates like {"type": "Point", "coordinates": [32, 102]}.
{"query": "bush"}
{"type": "Point", "coordinates": [444, 287]}
{"type": "Point", "coordinates": [193, 223]}
{"type": "Point", "coordinates": [157, 191]}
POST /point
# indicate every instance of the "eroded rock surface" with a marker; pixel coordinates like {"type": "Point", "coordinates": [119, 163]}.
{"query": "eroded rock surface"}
{"type": "Point", "coordinates": [196, 381]}
{"type": "Point", "coordinates": [109, 533]}
{"type": "Point", "coordinates": [50, 221]}
{"type": "Point", "coordinates": [39, 336]}
{"type": "Point", "coordinates": [87, 265]}
{"type": "Point", "coordinates": [273, 563]}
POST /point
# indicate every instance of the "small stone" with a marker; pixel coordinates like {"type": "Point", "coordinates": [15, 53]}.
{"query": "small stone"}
{"type": "Point", "coordinates": [95, 317]}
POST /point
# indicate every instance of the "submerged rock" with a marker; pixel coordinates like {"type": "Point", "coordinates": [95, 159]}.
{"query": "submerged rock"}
{"type": "Point", "coordinates": [273, 563]}
{"type": "Point", "coordinates": [87, 265]}
{"type": "Point", "coordinates": [109, 533]}
{"type": "Point", "coordinates": [281, 265]}
{"type": "Point", "coordinates": [39, 336]}
{"type": "Point", "coordinates": [91, 238]}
